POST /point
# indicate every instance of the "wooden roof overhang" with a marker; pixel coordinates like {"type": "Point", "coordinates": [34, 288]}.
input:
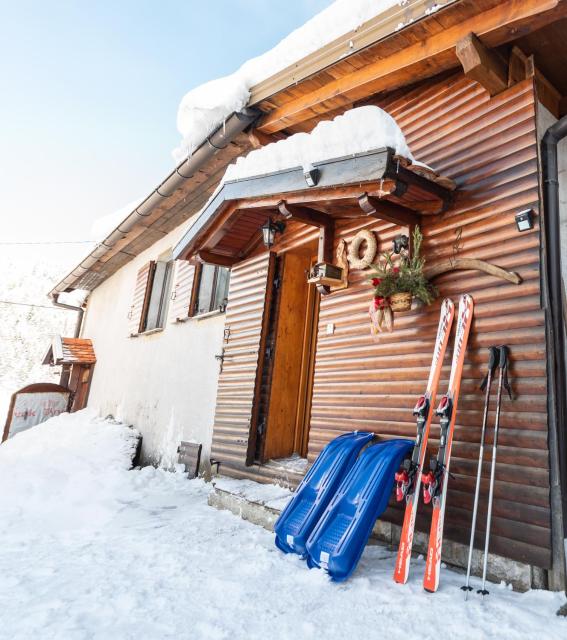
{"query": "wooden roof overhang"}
{"type": "Point", "coordinates": [70, 351]}
{"type": "Point", "coordinates": [375, 183]}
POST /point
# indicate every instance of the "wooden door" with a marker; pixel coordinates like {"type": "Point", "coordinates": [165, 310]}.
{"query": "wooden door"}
{"type": "Point", "coordinates": [290, 349]}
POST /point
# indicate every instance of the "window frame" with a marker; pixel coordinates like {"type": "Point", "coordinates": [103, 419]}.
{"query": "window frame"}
{"type": "Point", "coordinates": [164, 295]}
{"type": "Point", "coordinates": [193, 309]}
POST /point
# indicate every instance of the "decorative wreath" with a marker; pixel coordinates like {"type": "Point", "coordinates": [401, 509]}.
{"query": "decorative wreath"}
{"type": "Point", "coordinates": [356, 262]}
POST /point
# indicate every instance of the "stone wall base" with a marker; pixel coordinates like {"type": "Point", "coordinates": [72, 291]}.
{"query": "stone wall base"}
{"type": "Point", "coordinates": [521, 576]}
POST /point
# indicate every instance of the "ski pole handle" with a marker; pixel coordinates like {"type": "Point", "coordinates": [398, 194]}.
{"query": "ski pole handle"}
{"type": "Point", "coordinates": [493, 357]}
{"type": "Point", "coordinates": [503, 353]}
{"type": "Point", "coordinates": [493, 360]}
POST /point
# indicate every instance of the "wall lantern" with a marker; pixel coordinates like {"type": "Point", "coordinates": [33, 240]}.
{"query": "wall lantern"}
{"type": "Point", "coordinates": [400, 242]}
{"type": "Point", "coordinates": [525, 220]}
{"type": "Point", "coordinates": [269, 230]}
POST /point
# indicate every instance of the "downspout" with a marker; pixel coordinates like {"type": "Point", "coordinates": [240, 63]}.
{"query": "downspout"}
{"type": "Point", "coordinates": [556, 359]}
{"type": "Point", "coordinates": [80, 313]}
{"type": "Point", "coordinates": [65, 370]}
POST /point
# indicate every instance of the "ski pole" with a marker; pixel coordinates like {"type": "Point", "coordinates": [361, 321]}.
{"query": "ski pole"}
{"type": "Point", "coordinates": [485, 386]}
{"type": "Point", "coordinates": [502, 381]}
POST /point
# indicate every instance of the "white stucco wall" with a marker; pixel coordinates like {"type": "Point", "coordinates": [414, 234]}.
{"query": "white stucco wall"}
{"type": "Point", "coordinates": [163, 383]}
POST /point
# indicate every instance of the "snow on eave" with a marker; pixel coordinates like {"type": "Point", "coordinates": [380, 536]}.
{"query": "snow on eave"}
{"type": "Point", "coordinates": [377, 28]}
{"type": "Point", "coordinates": [327, 37]}
{"type": "Point", "coordinates": [370, 25]}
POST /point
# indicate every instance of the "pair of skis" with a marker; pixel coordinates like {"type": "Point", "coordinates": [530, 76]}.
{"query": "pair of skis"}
{"type": "Point", "coordinates": [411, 476]}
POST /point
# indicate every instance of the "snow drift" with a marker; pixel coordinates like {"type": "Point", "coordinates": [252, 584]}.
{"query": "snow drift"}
{"type": "Point", "coordinates": [65, 473]}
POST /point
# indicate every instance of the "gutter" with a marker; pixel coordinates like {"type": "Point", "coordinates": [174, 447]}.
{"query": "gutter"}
{"type": "Point", "coordinates": [381, 26]}
{"type": "Point", "coordinates": [556, 338]}
{"type": "Point", "coordinates": [219, 139]}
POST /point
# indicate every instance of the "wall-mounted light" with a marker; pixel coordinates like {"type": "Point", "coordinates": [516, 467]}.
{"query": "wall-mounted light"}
{"type": "Point", "coordinates": [311, 175]}
{"type": "Point", "coordinates": [525, 220]}
{"type": "Point", "coordinates": [269, 230]}
{"type": "Point", "coordinates": [400, 242]}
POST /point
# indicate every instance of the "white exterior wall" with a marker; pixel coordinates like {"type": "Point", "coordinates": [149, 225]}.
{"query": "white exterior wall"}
{"type": "Point", "coordinates": [163, 383]}
{"type": "Point", "coordinates": [545, 120]}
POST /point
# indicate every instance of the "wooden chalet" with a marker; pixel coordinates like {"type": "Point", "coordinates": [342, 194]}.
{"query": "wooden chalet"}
{"type": "Point", "coordinates": [473, 87]}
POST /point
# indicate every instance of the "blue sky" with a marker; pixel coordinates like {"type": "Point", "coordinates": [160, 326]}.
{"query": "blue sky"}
{"type": "Point", "coordinates": [89, 94]}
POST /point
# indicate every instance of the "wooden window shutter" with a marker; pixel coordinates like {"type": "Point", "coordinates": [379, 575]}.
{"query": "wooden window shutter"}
{"type": "Point", "coordinates": [140, 299]}
{"type": "Point", "coordinates": [184, 278]}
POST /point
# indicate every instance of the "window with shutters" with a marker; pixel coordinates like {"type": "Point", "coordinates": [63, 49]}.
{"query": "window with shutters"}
{"type": "Point", "coordinates": [211, 284]}
{"type": "Point", "coordinates": [159, 293]}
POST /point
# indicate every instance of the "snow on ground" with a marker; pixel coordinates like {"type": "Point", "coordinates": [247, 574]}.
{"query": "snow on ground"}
{"type": "Point", "coordinates": [203, 108]}
{"type": "Point", "coordinates": [91, 550]}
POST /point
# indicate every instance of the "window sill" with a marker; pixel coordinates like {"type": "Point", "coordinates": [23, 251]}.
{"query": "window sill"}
{"type": "Point", "coordinates": [149, 332]}
{"type": "Point", "coordinates": [209, 314]}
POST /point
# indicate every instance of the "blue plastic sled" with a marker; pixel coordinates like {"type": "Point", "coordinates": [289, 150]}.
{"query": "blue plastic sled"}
{"type": "Point", "coordinates": [316, 490]}
{"type": "Point", "coordinates": [338, 540]}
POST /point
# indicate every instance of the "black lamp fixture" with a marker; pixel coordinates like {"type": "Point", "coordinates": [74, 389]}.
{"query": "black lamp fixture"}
{"type": "Point", "coordinates": [400, 242]}
{"type": "Point", "coordinates": [269, 230]}
{"type": "Point", "coordinates": [525, 220]}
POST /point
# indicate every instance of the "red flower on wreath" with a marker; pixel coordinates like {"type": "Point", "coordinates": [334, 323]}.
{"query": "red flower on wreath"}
{"type": "Point", "coordinates": [396, 269]}
{"type": "Point", "coordinates": [376, 282]}
{"type": "Point", "coordinates": [378, 302]}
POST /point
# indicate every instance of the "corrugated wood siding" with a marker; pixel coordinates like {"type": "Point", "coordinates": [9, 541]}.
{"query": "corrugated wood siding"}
{"type": "Point", "coordinates": [489, 147]}
{"type": "Point", "coordinates": [182, 289]}
{"type": "Point", "coordinates": [237, 381]}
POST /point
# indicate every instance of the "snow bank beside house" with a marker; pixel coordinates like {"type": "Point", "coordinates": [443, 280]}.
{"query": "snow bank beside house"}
{"type": "Point", "coordinates": [64, 474]}
{"type": "Point", "coordinates": [356, 131]}
{"type": "Point", "coordinates": [203, 109]}
{"type": "Point", "coordinates": [91, 550]}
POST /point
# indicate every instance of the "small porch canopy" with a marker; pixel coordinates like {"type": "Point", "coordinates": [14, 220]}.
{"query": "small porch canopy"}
{"type": "Point", "coordinates": [376, 183]}
{"type": "Point", "coordinates": [70, 351]}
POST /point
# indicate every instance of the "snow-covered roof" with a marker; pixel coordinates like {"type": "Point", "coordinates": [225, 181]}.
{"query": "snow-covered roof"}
{"type": "Point", "coordinates": [203, 108]}
{"type": "Point", "coordinates": [354, 148]}
{"type": "Point", "coordinates": [208, 110]}
{"type": "Point", "coordinates": [356, 131]}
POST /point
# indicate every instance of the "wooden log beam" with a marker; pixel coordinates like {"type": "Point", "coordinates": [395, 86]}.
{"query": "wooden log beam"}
{"type": "Point", "coordinates": [389, 211]}
{"type": "Point", "coordinates": [258, 139]}
{"type": "Point", "coordinates": [482, 65]}
{"type": "Point", "coordinates": [209, 257]}
{"type": "Point", "coordinates": [324, 195]}
{"type": "Point", "coordinates": [303, 214]}
{"type": "Point", "coordinates": [426, 58]}
{"type": "Point", "coordinates": [325, 251]}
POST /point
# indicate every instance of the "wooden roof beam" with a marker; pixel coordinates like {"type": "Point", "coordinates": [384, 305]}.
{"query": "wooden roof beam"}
{"type": "Point", "coordinates": [426, 58]}
{"type": "Point", "coordinates": [482, 64]}
{"type": "Point", "coordinates": [389, 211]}
{"type": "Point", "coordinates": [209, 257]}
{"type": "Point", "coordinates": [303, 214]}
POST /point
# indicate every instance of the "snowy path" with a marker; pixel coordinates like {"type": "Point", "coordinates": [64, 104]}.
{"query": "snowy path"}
{"type": "Point", "coordinates": [148, 558]}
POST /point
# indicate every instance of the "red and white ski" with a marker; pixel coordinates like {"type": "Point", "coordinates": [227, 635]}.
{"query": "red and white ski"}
{"type": "Point", "coordinates": [408, 479]}
{"type": "Point", "coordinates": [436, 480]}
